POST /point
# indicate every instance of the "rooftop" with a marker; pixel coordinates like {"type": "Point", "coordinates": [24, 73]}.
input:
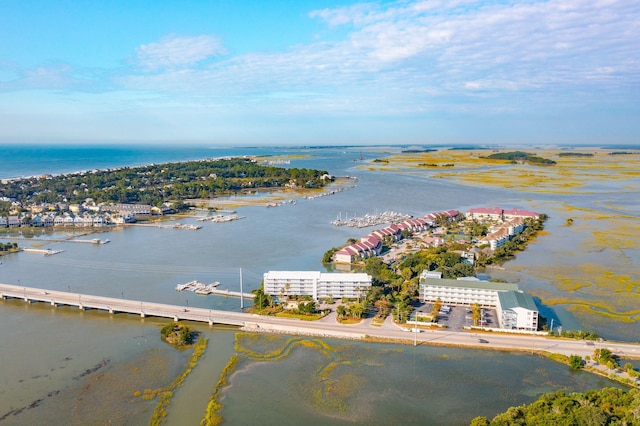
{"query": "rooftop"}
{"type": "Point", "coordinates": [516, 299]}
{"type": "Point", "coordinates": [486, 285]}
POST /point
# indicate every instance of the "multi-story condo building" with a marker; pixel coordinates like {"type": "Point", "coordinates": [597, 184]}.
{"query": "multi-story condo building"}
{"type": "Point", "coordinates": [318, 285]}
{"type": "Point", "coordinates": [515, 309]}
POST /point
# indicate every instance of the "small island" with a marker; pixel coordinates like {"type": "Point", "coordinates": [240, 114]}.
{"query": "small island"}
{"type": "Point", "coordinates": [178, 335]}
{"type": "Point", "coordinates": [520, 157]}
{"type": "Point", "coordinates": [575, 154]}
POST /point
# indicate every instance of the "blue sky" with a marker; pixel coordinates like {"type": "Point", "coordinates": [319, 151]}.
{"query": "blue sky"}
{"type": "Point", "coordinates": [320, 72]}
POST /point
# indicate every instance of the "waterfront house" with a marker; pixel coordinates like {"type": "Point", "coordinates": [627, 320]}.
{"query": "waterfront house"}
{"type": "Point", "coordinates": [14, 222]}
{"type": "Point", "coordinates": [499, 235]}
{"type": "Point", "coordinates": [58, 221]}
{"type": "Point", "coordinates": [48, 220]}
{"type": "Point", "coordinates": [87, 220]}
{"type": "Point", "coordinates": [499, 214]}
{"type": "Point", "coordinates": [131, 209]}
{"type": "Point", "coordinates": [524, 214]}
{"type": "Point", "coordinates": [3, 222]}
{"type": "Point", "coordinates": [368, 246]}
{"type": "Point", "coordinates": [392, 231]}
{"type": "Point", "coordinates": [413, 225]}
{"type": "Point", "coordinates": [36, 220]}
{"type": "Point", "coordinates": [78, 221]}
{"type": "Point", "coordinates": [483, 213]}
{"type": "Point", "coordinates": [68, 219]}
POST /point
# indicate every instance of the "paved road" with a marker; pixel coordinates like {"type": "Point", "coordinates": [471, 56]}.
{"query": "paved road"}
{"type": "Point", "coordinates": [328, 326]}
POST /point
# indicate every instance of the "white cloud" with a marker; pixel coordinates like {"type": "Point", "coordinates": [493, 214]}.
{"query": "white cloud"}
{"type": "Point", "coordinates": [407, 58]}
{"type": "Point", "coordinates": [174, 51]}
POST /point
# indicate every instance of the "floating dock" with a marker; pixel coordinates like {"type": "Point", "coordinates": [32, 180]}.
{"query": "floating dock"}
{"type": "Point", "coordinates": [44, 252]}
{"type": "Point", "coordinates": [221, 218]}
{"type": "Point", "coordinates": [198, 287]}
{"type": "Point", "coordinates": [92, 241]}
{"type": "Point", "coordinates": [205, 289]}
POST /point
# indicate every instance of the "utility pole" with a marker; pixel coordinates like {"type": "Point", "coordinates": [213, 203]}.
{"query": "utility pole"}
{"type": "Point", "coordinates": [241, 293]}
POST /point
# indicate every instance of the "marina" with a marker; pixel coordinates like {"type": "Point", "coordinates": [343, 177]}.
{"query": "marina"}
{"type": "Point", "coordinates": [206, 289]}
{"type": "Point", "coordinates": [197, 287]}
{"type": "Point", "coordinates": [174, 226]}
{"type": "Point", "coordinates": [219, 218]}
{"type": "Point", "coordinates": [371, 219]}
{"type": "Point", "coordinates": [324, 194]}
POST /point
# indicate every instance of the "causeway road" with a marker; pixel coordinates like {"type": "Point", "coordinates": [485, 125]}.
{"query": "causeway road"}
{"type": "Point", "coordinates": [325, 327]}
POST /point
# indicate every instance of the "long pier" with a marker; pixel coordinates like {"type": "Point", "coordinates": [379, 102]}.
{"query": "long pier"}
{"type": "Point", "coordinates": [118, 305]}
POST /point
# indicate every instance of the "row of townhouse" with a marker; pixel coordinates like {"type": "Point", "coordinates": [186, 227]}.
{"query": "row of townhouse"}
{"type": "Point", "coordinates": [85, 214]}
{"type": "Point", "coordinates": [515, 309]}
{"type": "Point", "coordinates": [371, 245]}
{"type": "Point", "coordinates": [497, 213]}
{"type": "Point", "coordinates": [90, 206]}
{"type": "Point", "coordinates": [66, 219]}
{"type": "Point", "coordinates": [499, 235]}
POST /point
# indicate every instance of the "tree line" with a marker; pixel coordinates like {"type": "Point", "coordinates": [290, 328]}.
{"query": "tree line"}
{"type": "Point", "coordinates": [608, 406]}
{"type": "Point", "coordinates": [515, 156]}
{"type": "Point", "coordinates": [155, 184]}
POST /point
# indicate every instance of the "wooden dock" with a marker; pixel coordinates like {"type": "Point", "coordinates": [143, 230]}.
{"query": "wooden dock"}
{"type": "Point", "coordinates": [44, 252]}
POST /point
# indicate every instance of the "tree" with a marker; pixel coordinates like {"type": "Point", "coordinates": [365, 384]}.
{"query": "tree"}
{"type": "Point", "coordinates": [261, 300]}
{"type": "Point", "coordinates": [435, 308]}
{"type": "Point", "coordinates": [476, 313]}
{"type": "Point", "coordinates": [480, 421]}
{"type": "Point", "coordinates": [402, 310]}
{"type": "Point", "coordinates": [575, 361]}
{"type": "Point", "coordinates": [341, 311]}
{"type": "Point", "coordinates": [383, 306]}
{"type": "Point", "coordinates": [356, 310]}
{"type": "Point", "coordinates": [406, 273]}
{"type": "Point", "coordinates": [177, 334]}
{"type": "Point", "coordinates": [307, 308]}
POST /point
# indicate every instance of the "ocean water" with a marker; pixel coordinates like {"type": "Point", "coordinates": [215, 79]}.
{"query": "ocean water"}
{"type": "Point", "coordinates": [49, 348]}
{"type": "Point", "coordinates": [34, 160]}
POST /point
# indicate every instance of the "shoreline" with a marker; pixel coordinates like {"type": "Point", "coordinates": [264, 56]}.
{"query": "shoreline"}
{"type": "Point", "coordinates": [617, 376]}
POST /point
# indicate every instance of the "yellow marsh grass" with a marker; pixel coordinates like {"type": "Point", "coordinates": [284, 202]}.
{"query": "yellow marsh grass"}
{"type": "Point", "coordinates": [608, 289]}
{"type": "Point", "coordinates": [569, 174]}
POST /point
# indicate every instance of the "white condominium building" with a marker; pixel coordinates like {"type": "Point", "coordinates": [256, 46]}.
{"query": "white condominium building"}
{"type": "Point", "coordinates": [316, 284]}
{"type": "Point", "coordinates": [462, 292]}
{"type": "Point", "coordinates": [515, 309]}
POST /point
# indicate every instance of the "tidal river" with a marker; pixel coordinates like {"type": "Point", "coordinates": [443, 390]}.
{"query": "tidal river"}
{"type": "Point", "coordinates": [66, 366]}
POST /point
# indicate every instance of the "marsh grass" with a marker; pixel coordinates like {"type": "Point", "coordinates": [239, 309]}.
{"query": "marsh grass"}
{"type": "Point", "coordinates": [165, 394]}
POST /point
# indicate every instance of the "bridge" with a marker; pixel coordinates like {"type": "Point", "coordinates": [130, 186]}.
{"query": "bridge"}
{"type": "Point", "coordinates": [326, 327]}
{"type": "Point", "coordinates": [118, 305]}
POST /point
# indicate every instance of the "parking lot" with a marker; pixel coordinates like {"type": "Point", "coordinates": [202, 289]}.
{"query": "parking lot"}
{"type": "Point", "coordinates": [459, 316]}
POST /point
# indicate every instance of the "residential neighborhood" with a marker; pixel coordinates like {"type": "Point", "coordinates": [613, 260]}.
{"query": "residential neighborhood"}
{"type": "Point", "coordinates": [87, 214]}
{"type": "Point", "coordinates": [499, 226]}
